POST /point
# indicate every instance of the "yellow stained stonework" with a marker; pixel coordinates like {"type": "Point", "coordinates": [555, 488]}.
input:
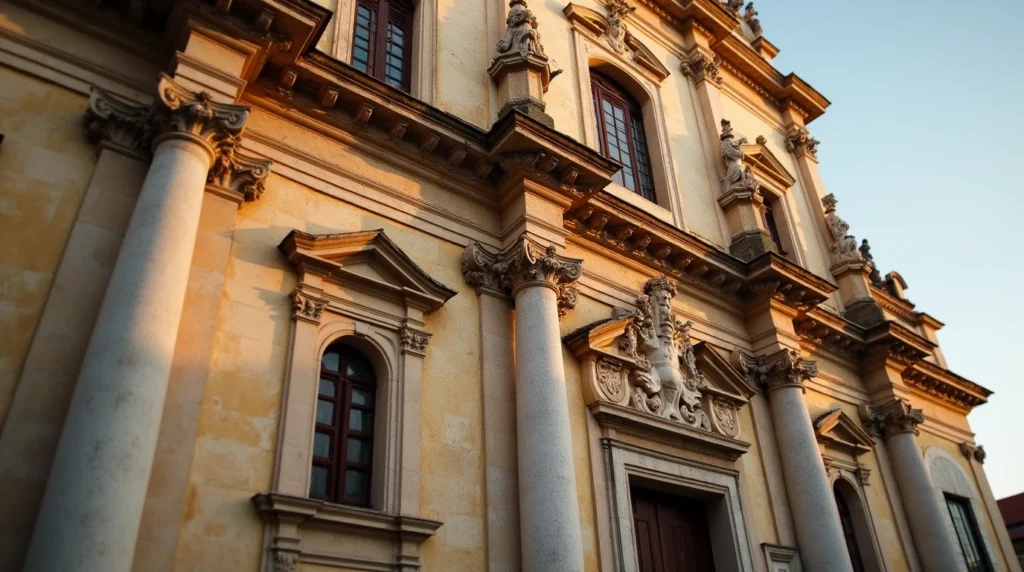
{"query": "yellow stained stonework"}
{"type": "Point", "coordinates": [418, 226]}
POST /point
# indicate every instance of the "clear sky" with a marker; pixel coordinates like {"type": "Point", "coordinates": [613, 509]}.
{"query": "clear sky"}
{"type": "Point", "coordinates": [923, 147]}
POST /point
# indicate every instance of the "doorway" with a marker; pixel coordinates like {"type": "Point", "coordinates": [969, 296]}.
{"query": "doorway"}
{"type": "Point", "coordinates": [672, 533]}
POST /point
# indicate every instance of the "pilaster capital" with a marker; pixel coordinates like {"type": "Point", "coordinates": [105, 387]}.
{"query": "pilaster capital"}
{"type": "Point", "coordinates": [306, 308]}
{"type": "Point", "coordinates": [799, 142]}
{"type": "Point", "coordinates": [240, 177]}
{"type": "Point", "coordinates": [703, 67]}
{"type": "Point", "coordinates": [118, 124]}
{"type": "Point", "coordinates": [971, 451]}
{"type": "Point", "coordinates": [521, 264]}
{"type": "Point", "coordinates": [181, 111]}
{"type": "Point", "coordinates": [784, 368]}
{"type": "Point", "coordinates": [891, 418]}
{"type": "Point", "coordinates": [414, 340]}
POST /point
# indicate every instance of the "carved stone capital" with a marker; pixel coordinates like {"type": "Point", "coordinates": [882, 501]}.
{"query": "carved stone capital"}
{"type": "Point", "coordinates": [306, 308]}
{"type": "Point", "coordinates": [240, 176]}
{"type": "Point", "coordinates": [863, 474]}
{"type": "Point", "coordinates": [113, 122]}
{"type": "Point", "coordinates": [413, 340]}
{"type": "Point", "coordinates": [182, 111]}
{"type": "Point", "coordinates": [785, 368]}
{"type": "Point", "coordinates": [702, 67]}
{"type": "Point", "coordinates": [976, 452]}
{"type": "Point", "coordinates": [525, 262]}
{"type": "Point", "coordinates": [286, 561]}
{"type": "Point", "coordinates": [891, 418]}
{"type": "Point", "coordinates": [799, 142]}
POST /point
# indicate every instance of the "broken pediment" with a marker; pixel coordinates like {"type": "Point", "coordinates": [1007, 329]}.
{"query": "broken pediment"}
{"type": "Point", "coordinates": [368, 261]}
{"type": "Point", "coordinates": [619, 39]}
{"type": "Point", "coordinates": [642, 372]}
{"type": "Point", "coordinates": [767, 168]}
{"type": "Point", "coordinates": [835, 430]}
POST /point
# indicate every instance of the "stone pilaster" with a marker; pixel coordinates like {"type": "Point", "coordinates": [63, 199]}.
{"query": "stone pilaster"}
{"type": "Point", "coordinates": [815, 516]}
{"type": "Point", "coordinates": [896, 422]}
{"type": "Point", "coordinates": [540, 281]}
{"type": "Point", "coordinates": [92, 507]}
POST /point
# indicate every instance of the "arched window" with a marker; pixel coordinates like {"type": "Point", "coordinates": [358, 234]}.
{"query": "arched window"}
{"type": "Point", "coordinates": [343, 441]}
{"type": "Point", "coordinates": [620, 132]}
{"type": "Point", "coordinates": [382, 40]}
{"type": "Point", "coordinates": [849, 532]}
{"type": "Point", "coordinates": [773, 227]}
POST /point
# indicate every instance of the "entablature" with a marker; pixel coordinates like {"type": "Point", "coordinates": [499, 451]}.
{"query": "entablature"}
{"type": "Point", "coordinates": [946, 386]}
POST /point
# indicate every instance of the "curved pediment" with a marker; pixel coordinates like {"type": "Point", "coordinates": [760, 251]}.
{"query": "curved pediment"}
{"type": "Point", "coordinates": [597, 25]}
{"type": "Point", "coordinates": [366, 260]}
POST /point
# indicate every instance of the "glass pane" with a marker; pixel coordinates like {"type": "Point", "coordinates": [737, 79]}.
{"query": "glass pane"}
{"type": "Point", "coordinates": [326, 387]}
{"type": "Point", "coordinates": [318, 481]}
{"type": "Point", "coordinates": [359, 420]}
{"type": "Point", "coordinates": [358, 451]}
{"type": "Point", "coordinates": [321, 445]}
{"type": "Point", "coordinates": [361, 396]}
{"type": "Point", "coordinates": [324, 412]}
{"type": "Point", "coordinates": [357, 486]}
{"type": "Point", "coordinates": [363, 39]}
{"type": "Point", "coordinates": [330, 361]}
{"type": "Point", "coordinates": [357, 366]}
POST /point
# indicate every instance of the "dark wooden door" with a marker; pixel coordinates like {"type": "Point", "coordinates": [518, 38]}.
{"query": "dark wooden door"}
{"type": "Point", "coordinates": [671, 533]}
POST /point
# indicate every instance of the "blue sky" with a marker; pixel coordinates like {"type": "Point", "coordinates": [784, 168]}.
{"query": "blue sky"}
{"type": "Point", "coordinates": [922, 148]}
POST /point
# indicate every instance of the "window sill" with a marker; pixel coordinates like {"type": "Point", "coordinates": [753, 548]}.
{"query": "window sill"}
{"type": "Point", "coordinates": [654, 209]}
{"type": "Point", "coordinates": [338, 517]}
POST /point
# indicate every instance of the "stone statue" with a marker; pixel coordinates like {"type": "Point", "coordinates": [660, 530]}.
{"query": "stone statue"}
{"type": "Point", "coordinates": [667, 382]}
{"type": "Point", "coordinates": [734, 5]}
{"type": "Point", "coordinates": [750, 16]}
{"type": "Point", "coordinates": [865, 251]}
{"type": "Point", "coordinates": [737, 175]}
{"type": "Point", "coordinates": [522, 36]}
{"type": "Point", "coordinates": [844, 246]}
{"type": "Point", "coordinates": [616, 33]}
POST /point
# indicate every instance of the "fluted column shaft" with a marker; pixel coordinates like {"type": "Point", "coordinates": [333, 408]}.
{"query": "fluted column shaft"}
{"type": "Point", "coordinates": [819, 532]}
{"type": "Point", "coordinates": [90, 515]}
{"type": "Point", "coordinates": [897, 421]}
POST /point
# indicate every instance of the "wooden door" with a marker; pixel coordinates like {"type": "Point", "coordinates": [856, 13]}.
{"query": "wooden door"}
{"type": "Point", "coordinates": [671, 533]}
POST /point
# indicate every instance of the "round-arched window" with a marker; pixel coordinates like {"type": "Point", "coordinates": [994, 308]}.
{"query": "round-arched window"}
{"type": "Point", "coordinates": [620, 132]}
{"type": "Point", "coordinates": [343, 441]}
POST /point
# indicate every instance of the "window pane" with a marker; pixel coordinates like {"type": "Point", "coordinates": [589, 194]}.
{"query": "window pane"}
{"type": "Point", "coordinates": [326, 387]}
{"type": "Point", "coordinates": [359, 420]}
{"type": "Point", "coordinates": [361, 396]}
{"type": "Point", "coordinates": [321, 445]}
{"type": "Point", "coordinates": [358, 451]}
{"type": "Point", "coordinates": [324, 412]}
{"type": "Point", "coordinates": [318, 481]}
{"type": "Point", "coordinates": [364, 38]}
{"type": "Point", "coordinates": [330, 361]}
{"type": "Point", "coordinates": [357, 486]}
{"type": "Point", "coordinates": [358, 367]}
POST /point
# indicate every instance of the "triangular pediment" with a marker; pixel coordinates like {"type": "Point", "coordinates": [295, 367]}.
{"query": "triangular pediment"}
{"type": "Point", "coordinates": [721, 374]}
{"type": "Point", "coordinates": [836, 430]}
{"type": "Point", "coordinates": [367, 260]}
{"type": "Point", "coordinates": [597, 25]}
{"type": "Point", "coordinates": [767, 167]}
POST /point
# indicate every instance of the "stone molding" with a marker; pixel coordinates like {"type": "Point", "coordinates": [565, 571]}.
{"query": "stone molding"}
{"type": "Point", "coordinates": [306, 307]}
{"type": "Point", "coordinates": [971, 451]}
{"type": "Point", "coordinates": [111, 121]}
{"type": "Point", "coordinates": [784, 368]}
{"type": "Point", "coordinates": [891, 418]}
{"type": "Point", "coordinates": [182, 111]}
{"type": "Point", "coordinates": [523, 263]}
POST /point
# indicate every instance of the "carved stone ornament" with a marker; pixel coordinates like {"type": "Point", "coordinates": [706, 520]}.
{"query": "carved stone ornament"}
{"type": "Point", "coordinates": [414, 340]}
{"type": "Point", "coordinates": [115, 122]}
{"type": "Point", "coordinates": [238, 173]}
{"type": "Point", "coordinates": [526, 261]}
{"type": "Point", "coordinates": [702, 67]}
{"type": "Point", "coordinates": [616, 32]}
{"type": "Point", "coordinates": [184, 111]}
{"type": "Point", "coordinates": [734, 5]}
{"type": "Point", "coordinates": [521, 35]}
{"type": "Point", "coordinates": [737, 175]}
{"type": "Point", "coordinates": [784, 368]}
{"type": "Point", "coordinates": [976, 452]}
{"type": "Point", "coordinates": [750, 17]}
{"type": "Point", "coordinates": [863, 474]}
{"type": "Point", "coordinates": [305, 307]}
{"type": "Point", "coordinates": [667, 382]}
{"type": "Point", "coordinates": [865, 252]}
{"type": "Point", "coordinates": [891, 418]}
{"type": "Point", "coordinates": [799, 142]}
{"type": "Point", "coordinates": [844, 246]}
{"type": "Point", "coordinates": [286, 561]}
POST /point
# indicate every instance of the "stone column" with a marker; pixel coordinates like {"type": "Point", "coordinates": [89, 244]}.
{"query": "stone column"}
{"type": "Point", "coordinates": [539, 281]}
{"type": "Point", "coordinates": [897, 423]}
{"type": "Point", "coordinates": [90, 515]}
{"type": "Point", "coordinates": [815, 516]}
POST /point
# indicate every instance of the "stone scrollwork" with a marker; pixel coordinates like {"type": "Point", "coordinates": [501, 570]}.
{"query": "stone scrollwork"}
{"type": "Point", "coordinates": [891, 418]}
{"type": "Point", "coordinates": [112, 121]}
{"type": "Point", "coordinates": [524, 262]}
{"type": "Point", "coordinates": [844, 246]}
{"type": "Point", "coordinates": [785, 368]}
{"type": "Point", "coordinates": [305, 307]}
{"type": "Point", "coordinates": [414, 341]}
{"type": "Point", "coordinates": [181, 110]}
{"type": "Point", "coordinates": [737, 177]}
{"type": "Point", "coordinates": [616, 32]}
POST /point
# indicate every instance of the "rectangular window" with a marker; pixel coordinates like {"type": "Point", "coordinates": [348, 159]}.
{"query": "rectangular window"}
{"type": "Point", "coordinates": [967, 534]}
{"type": "Point", "coordinates": [381, 40]}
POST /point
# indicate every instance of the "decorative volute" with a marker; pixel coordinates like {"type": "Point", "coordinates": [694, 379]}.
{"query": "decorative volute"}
{"type": "Point", "coordinates": [524, 262]}
{"type": "Point", "coordinates": [892, 417]}
{"type": "Point", "coordinates": [784, 368]}
{"type": "Point", "coordinates": [113, 122]}
{"type": "Point", "coordinates": [182, 112]}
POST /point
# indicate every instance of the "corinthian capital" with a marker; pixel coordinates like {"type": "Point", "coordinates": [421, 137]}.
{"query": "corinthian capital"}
{"type": "Point", "coordinates": [524, 262]}
{"type": "Point", "coordinates": [784, 368]}
{"type": "Point", "coordinates": [242, 177]}
{"type": "Point", "coordinates": [702, 67]}
{"type": "Point", "coordinates": [180, 110]}
{"type": "Point", "coordinates": [799, 142]}
{"type": "Point", "coordinates": [891, 418]}
{"type": "Point", "coordinates": [113, 122]}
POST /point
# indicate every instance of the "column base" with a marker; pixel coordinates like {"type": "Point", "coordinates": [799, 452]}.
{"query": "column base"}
{"type": "Point", "coordinates": [750, 244]}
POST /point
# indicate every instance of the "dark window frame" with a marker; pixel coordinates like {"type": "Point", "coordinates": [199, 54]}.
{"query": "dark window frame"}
{"type": "Point", "coordinates": [772, 224]}
{"type": "Point", "coordinates": [968, 533]}
{"type": "Point", "coordinates": [337, 463]}
{"type": "Point", "coordinates": [640, 178]}
{"type": "Point", "coordinates": [384, 18]}
{"type": "Point", "coordinates": [849, 530]}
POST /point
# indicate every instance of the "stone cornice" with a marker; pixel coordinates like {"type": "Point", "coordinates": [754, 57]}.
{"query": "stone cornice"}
{"type": "Point", "coordinates": [898, 343]}
{"type": "Point", "coordinates": [822, 328]}
{"type": "Point", "coordinates": [946, 386]}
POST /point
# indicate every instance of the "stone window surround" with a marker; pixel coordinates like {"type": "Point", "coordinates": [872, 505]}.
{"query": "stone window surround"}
{"type": "Point", "coordinates": [949, 477]}
{"type": "Point", "coordinates": [424, 26]}
{"type": "Point", "coordinates": [592, 53]}
{"type": "Point", "coordinates": [864, 520]}
{"type": "Point", "coordinates": [626, 464]}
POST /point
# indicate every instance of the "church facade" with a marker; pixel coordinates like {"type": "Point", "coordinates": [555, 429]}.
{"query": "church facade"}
{"type": "Point", "coordinates": [374, 285]}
